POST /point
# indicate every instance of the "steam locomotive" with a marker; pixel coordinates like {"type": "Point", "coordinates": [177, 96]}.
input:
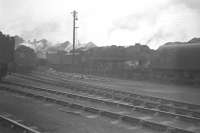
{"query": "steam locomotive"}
{"type": "Point", "coordinates": [7, 45]}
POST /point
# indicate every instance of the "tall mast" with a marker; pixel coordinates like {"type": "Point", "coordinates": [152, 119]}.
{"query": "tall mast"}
{"type": "Point", "coordinates": [75, 18]}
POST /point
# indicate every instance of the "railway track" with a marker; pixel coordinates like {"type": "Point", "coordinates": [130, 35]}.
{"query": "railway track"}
{"type": "Point", "coordinates": [15, 126]}
{"type": "Point", "coordinates": [125, 111]}
{"type": "Point", "coordinates": [103, 112]}
{"type": "Point", "coordinates": [68, 78]}
{"type": "Point", "coordinates": [167, 105]}
{"type": "Point", "coordinates": [158, 99]}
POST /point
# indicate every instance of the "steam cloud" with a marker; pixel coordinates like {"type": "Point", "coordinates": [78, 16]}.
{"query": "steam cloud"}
{"type": "Point", "coordinates": [175, 21]}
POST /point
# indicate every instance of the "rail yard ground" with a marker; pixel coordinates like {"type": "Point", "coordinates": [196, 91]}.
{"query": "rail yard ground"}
{"type": "Point", "coordinates": [30, 100]}
{"type": "Point", "coordinates": [52, 118]}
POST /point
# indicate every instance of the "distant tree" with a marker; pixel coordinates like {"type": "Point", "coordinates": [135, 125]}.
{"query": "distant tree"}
{"type": "Point", "coordinates": [18, 40]}
{"type": "Point", "coordinates": [139, 53]}
{"type": "Point", "coordinates": [25, 58]}
{"type": "Point", "coordinates": [42, 62]}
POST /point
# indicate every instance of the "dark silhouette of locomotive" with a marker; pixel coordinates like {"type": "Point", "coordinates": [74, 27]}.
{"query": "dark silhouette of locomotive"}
{"type": "Point", "coordinates": [7, 45]}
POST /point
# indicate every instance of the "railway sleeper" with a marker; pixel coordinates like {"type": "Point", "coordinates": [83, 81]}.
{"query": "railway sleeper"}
{"type": "Point", "coordinates": [153, 126]}
{"type": "Point", "coordinates": [144, 110]}
{"type": "Point", "coordinates": [76, 106]}
{"type": "Point", "coordinates": [91, 110]}
{"type": "Point", "coordinates": [131, 120]}
{"type": "Point", "coordinates": [110, 114]}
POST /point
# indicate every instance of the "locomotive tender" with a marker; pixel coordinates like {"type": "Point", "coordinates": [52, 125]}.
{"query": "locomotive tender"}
{"type": "Point", "coordinates": [178, 61]}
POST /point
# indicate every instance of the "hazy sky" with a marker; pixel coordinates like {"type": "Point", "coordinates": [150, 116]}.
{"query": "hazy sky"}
{"type": "Point", "coordinates": [104, 22]}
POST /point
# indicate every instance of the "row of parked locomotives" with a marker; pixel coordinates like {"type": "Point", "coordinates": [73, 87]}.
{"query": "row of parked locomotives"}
{"type": "Point", "coordinates": [7, 45]}
{"type": "Point", "coordinates": [177, 62]}
{"type": "Point", "coordinates": [174, 62]}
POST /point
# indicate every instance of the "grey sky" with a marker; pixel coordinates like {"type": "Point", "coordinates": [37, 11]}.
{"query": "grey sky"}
{"type": "Point", "coordinates": [121, 22]}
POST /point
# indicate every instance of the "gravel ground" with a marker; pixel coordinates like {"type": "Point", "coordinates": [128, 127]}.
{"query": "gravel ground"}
{"type": "Point", "coordinates": [51, 118]}
{"type": "Point", "coordinates": [5, 130]}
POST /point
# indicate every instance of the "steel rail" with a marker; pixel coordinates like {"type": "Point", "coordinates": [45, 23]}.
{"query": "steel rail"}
{"type": "Point", "coordinates": [16, 125]}
{"type": "Point", "coordinates": [130, 98]}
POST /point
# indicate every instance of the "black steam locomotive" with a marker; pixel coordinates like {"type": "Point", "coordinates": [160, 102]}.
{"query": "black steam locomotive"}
{"type": "Point", "coordinates": [7, 45]}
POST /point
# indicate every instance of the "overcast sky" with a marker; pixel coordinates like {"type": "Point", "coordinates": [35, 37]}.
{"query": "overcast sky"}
{"type": "Point", "coordinates": [104, 22]}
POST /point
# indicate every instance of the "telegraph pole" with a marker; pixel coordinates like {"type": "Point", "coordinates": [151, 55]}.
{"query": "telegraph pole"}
{"type": "Point", "coordinates": [75, 18]}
